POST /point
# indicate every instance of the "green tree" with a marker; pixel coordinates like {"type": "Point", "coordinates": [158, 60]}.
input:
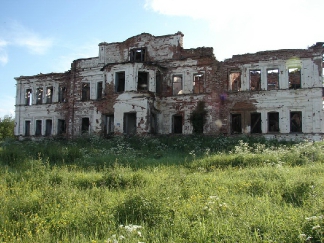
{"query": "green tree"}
{"type": "Point", "coordinates": [7, 125]}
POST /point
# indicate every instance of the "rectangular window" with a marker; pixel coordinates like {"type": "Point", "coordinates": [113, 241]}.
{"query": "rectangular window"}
{"type": "Point", "coordinates": [235, 81]}
{"type": "Point", "coordinates": [294, 78]}
{"type": "Point", "coordinates": [153, 123]}
{"type": "Point", "coordinates": [130, 123]}
{"type": "Point", "coordinates": [99, 90]}
{"type": "Point", "coordinates": [38, 131]}
{"type": "Point", "coordinates": [62, 94]}
{"type": "Point", "coordinates": [85, 92]}
{"type": "Point", "coordinates": [109, 124]}
{"type": "Point", "coordinates": [85, 126]}
{"type": "Point", "coordinates": [273, 79]}
{"type": "Point", "coordinates": [295, 121]}
{"type": "Point", "coordinates": [61, 126]}
{"type": "Point", "coordinates": [27, 128]}
{"type": "Point", "coordinates": [28, 97]}
{"type": "Point", "coordinates": [39, 96]}
{"type": "Point", "coordinates": [273, 122]}
{"type": "Point", "coordinates": [49, 95]}
{"type": "Point", "coordinates": [255, 80]}
{"type": "Point", "coordinates": [48, 128]}
{"type": "Point", "coordinates": [142, 82]}
{"type": "Point", "coordinates": [177, 124]}
{"type": "Point", "coordinates": [177, 84]}
{"type": "Point", "coordinates": [256, 123]}
{"type": "Point", "coordinates": [158, 80]}
{"type": "Point", "coordinates": [120, 82]}
{"type": "Point", "coordinates": [198, 83]}
{"type": "Point", "coordinates": [236, 126]}
{"type": "Point", "coordinates": [137, 55]}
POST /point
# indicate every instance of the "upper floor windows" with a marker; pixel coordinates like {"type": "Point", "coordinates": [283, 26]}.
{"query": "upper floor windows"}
{"type": "Point", "coordinates": [198, 83]}
{"type": "Point", "coordinates": [49, 95]}
{"type": "Point", "coordinates": [28, 97]}
{"type": "Point", "coordinates": [142, 82]}
{"type": "Point", "coordinates": [294, 78]}
{"type": "Point", "coordinates": [255, 80]}
{"type": "Point", "coordinates": [62, 95]}
{"type": "Point", "coordinates": [177, 84]}
{"type": "Point", "coordinates": [273, 79]}
{"type": "Point", "coordinates": [137, 55]}
{"type": "Point", "coordinates": [99, 90]}
{"type": "Point", "coordinates": [85, 92]}
{"type": "Point", "coordinates": [39, 96]}
{"type": "Point", "coordinates": [120, 82]}
{"type": "Point", "coordinates": [235, 80]}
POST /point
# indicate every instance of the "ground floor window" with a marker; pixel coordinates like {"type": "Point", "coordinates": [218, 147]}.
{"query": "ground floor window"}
{"type": "Point", "coordinates": [177, 124]}
{"type": "Point", "coordinates": [109, 124]}
{"type": "Point", "coordinates": [85, 126]}
{"type": "Point", "coordinates": [295, 121]}
{"type": "Point", "coordinates": [38, 131]}
{"type": "Point", "coordinates": [273, 122]}
{"type": "Point", "coordinates": [48, 128]}
{"type": "Point", "coordinates": [256, 123]}
{"type": "Point", "coordinates": [27, 128]}
{"type": "Point", "coordinates": [236, 123]}
{"type": "Point", "coordinates": [130, 123]}
{"type": "Point", "coordinates": [61, 126]}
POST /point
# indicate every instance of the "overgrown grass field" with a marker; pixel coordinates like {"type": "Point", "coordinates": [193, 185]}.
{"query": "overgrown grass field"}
{"type": "Point", "coordinates": [166, 189]}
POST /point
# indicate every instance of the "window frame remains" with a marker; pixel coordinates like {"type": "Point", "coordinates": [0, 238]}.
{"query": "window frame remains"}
{"type": "Point", "coordinates": [85, 92]}
{"type": "Point", "coordinates": [177, 84]}
{"type": "Point", "coordinates": [255, 79]}
{"type": "Point", "coordinates": [198, 83]}
{"type": "Point", "coordinates": [272, 78]}
{"type": "Point", "coordinates": [137, 54]}
{"type": "Point", "coordinates": [293, 74]}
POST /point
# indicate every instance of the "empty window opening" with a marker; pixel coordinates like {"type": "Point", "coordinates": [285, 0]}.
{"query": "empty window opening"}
{"type": "Point", "coordinates": [137, 55]}
{"type": "Point", "coordinates": [273, 79]}
{"type": "Point", "coordinates": [85, 126]}
{"type": "Point", "coordinates": [120, 82]}
{"type": "Point", "coordinates": [255, 80]}
{"type": "Point", "coordinates": [38, 131]}
{"type": "Point", "coordinates": [198, 83]}
{"type": "Point", "coordinates": [109, 124]}
{"type": "Point", "coordinates": [153, 124]}
{"type": "Point", "coordinates": [235, 81]}
{"type": "Point", "coordinates": [142, 83]}
{"type": "Point", "coordinates": [27, 128]}
{"type": "Point", "coordinates": [295, 121]}
{"type": "Point", "coordinates": [294, 78]}
{"type": "Point", "coordinates": [158, 80]}
{"type": "Point", "coordinates": [48, 128]}
{"type": "Point", "coordinates": [61, 126]}
{"type": "Point", "coordinates": [236, 126]}
{"type": "Point", "coordinates": [28, 97]}
{"type": "Point", "coordinates": [273, 122]}
{"type": "Point", "coordinates": [130, 123]}
{"type": "Point", "coordinates": [177, 124]}
{"type": "Point", "coordinates": [49, 95]}
{"type": "Point", "coordinates": [177, 84]}
{"type": "Point", "coordinates": [99, 90]}
{"type": "Point", "coordinates": [85, 92]}
{"type": "Point", "coordinates": [39, 96]}
{"type": "Point", "coordinates": [256, 123]}
{"type": "Point", "coordinates": [62, 94]}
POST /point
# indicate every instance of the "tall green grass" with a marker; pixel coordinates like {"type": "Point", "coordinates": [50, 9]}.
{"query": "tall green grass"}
{"type": "Point", "coordinates": [168, 189]}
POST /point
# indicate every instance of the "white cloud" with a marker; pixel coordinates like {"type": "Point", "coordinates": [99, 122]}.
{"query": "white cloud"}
{"type": "Point", "coordinates": [237, 27]}
{"type": "Point", "coordinates": [3, 53]}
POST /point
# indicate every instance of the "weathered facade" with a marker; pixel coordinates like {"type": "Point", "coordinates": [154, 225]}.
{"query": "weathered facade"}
{"type": "Point", "coordinates": [152, 85]}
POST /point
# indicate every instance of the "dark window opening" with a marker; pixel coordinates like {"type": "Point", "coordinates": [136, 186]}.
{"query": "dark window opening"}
{"type": "Point", "coordinates": [62, 94]}
{"type": "Point", "coordinates": [236, 126]}
{"type": "Point", "coordinates": [130, 123]}
{"type": "Point", "coordinates": [49, 95]}
{"type": "Point", "coordinates": [142, 83]}
{"type": "Point", "coordinates": [273, 79]}
{"type": "Point", "coordinates": [48, 128]}
{"type": "Point", "coordinates": [85, 92]}
{"type": "Point", "coordinates": [295, 121]}
{"type": "Point", "coordinates": [99, 90]}
{"type": "Point", "coordinates": [255, 80]}
{"type": "Point", "coordinates": [177, 84]}
{"type": "Point", "coordinates": [85, 126]}
{"type": "Point", "coordinates": [153, 124]}
{"type": "Point", "coordinates": [294, 78]}
{"type": "Point", "coordinates": [38, 131]}
{"type": "Point", "coordinates": [273, 122]}
{"type": "Point", "coordinates": [27, 128]}
{"type": "Point", "coordinates": [137, 55]}
{"type": "Point", "coordinates": [177, 124]}
{"type": "Point", "coordinates": [120, 82]}
{"type": "Point", "coordinates": [109, 124]}
{"type": "Point", "coordinates": [28, 97]}
{"type": "Point", "coordinates": [235, 81]}
{"type": "Point", "coordinates": [198, 83]}
{"type": "Point", "coordinates": [256, 123]}
{"type": "Point", "coordinates": [61, 127]}
{"type": "Point", "coordinates": [158, 80]}
{"type": "Point", "coordinates": [39, 96]}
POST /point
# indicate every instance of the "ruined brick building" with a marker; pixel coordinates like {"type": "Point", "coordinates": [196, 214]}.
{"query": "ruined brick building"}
{"type": "Point", "coordinates": [151, 85]}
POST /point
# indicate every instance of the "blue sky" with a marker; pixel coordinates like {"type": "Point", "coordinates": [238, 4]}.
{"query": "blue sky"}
{"type": "Point", "coordinates": [44, 36]}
